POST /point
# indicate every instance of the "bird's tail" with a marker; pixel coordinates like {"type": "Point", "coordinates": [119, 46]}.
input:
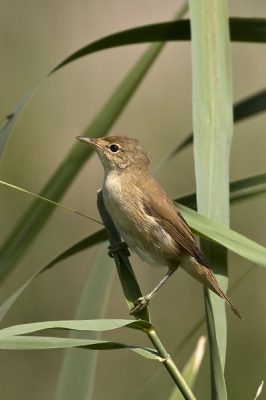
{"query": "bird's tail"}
{"type": "Point", "coordinates": [216, 289]}
{"type": "Point", "coordinates": [205, 275]}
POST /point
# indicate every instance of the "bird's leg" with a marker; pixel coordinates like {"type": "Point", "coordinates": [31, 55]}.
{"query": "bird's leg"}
{"type": "Point", "coordinates": [116, 246]}
{"type": "Point", "coordinates": [143, 302]}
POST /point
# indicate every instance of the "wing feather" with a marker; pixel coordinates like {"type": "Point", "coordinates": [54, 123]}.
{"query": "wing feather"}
{"type": "Point", "coordinates": [174, 224]}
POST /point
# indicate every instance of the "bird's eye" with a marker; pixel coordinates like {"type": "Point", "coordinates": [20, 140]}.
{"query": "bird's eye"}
{"type": "Point", "coordinates": [114, 148]}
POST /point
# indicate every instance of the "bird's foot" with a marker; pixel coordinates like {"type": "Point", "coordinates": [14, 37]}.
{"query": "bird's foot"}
{"type": "Point", "coordinates": [140, 304]}
{"type": "Point", "coordinates": [117, 246]}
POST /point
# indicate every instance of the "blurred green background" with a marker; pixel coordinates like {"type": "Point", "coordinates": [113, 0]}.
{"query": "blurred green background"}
{"type": "Point", "coordinates": [36, 36]}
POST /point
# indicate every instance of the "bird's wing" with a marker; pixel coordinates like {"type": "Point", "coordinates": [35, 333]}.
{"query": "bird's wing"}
{"type": "Point", "coordinates": [166, 214]}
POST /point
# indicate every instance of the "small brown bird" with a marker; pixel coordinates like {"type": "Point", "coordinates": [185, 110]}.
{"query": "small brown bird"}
{"type": "Point", "coordinates": [145, 217]}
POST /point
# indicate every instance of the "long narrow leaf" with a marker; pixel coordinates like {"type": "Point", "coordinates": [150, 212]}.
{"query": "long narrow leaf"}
{"type": "Point", "coordinates": [245, 108]}
{"type": "Point", "coordinates": [44, 343]}
{"type": "Point", "coordinates": [77, 375]}
{"type": "Point", "coordinates": [248, 188]}
{"type": "Point", "coordinates": [12, 118]}
{"type": "Point", "coordinates": [208, 229]}
{"type": "Point", "coordinates": [240, 190]}
{"type": "Point", "coordinates": [89, 241]}
{"type": "Point", "coordinates": [99, 325]}
{"type": "Point", "coordinates": [241, 30]}
{"type": "Point", "coordinates": [213, 130]}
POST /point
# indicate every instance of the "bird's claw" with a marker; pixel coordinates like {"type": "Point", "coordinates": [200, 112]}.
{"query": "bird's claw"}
{"type": "Point", "coordinates": [117, 246]}
{"type": "Point", "coordinates": [140, 304]}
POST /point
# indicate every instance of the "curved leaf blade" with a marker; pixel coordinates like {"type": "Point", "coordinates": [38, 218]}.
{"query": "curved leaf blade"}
{"type": "Point", "coordinates": [77, 374]}
{"type": "Point", "coordinates": [83, 244]}
{"type": "Point", "coordinates": [209, 229]}
{"type": "Point", "coordinates": [44, 343]}
{"type": "Point", "coordinates": [99, 325]}
{"type": "Point", "coordinates": [245, 108]}
{"type": "Point", "coordinates": [241, 30]}
{"type": "Point", "coordinates": [12, 118]}
{"type": "Point", "coordinates": [240, 190]}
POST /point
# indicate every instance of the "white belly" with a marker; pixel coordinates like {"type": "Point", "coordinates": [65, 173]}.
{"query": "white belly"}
{"type": "Point", "coordinates": [127, 227]}
{"type": "Point", "coordinates": [151, 257]}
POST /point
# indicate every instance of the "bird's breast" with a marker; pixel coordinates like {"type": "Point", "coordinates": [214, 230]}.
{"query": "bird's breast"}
{"type": "Point", "coordinates": [140, 231]}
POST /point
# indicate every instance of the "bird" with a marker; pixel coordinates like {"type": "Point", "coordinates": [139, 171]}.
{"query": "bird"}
{"type": "Point", "coordinates": [147, 220]}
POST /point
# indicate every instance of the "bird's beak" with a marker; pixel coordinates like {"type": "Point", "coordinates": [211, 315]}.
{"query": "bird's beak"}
{"type": "Point", "coordinates": [90, 141]}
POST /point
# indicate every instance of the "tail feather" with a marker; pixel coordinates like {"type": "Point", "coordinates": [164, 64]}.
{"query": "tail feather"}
{"type": "Point", "coordinates": [220, 293]}
{"type": "Point", "coordinates": [214, 286]}
{"type": "Point", "coordinates": [205, 275]}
